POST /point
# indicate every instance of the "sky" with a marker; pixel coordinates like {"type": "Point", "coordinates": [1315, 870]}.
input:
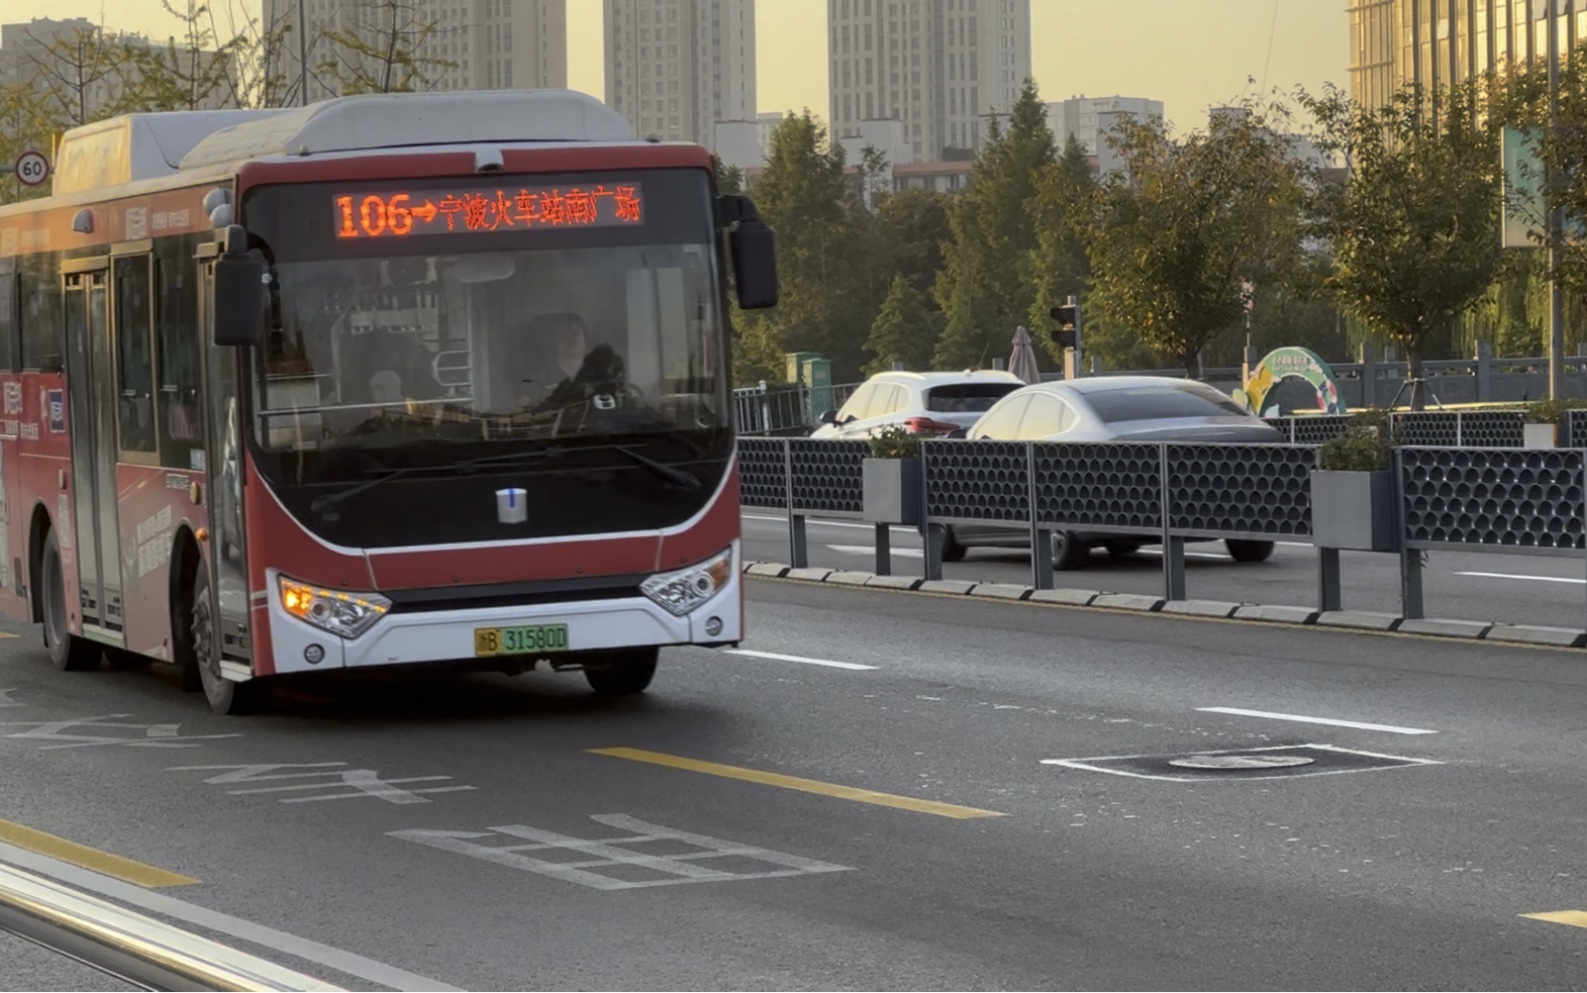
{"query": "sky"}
{"type": "Point", "coordinates": [1191, 54]}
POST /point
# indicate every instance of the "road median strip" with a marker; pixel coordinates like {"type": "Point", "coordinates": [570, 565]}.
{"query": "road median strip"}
{"type": "Point", "coordinates": [1349, 621]}
{"type": "Point", "coordinates": [794, 783]}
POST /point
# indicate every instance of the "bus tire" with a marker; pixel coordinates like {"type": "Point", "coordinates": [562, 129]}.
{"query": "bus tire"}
{"type": "Point", "coordinates": [224, 695]}
{"type": "Point", "coordinates": [624, 673]}
{"type": "Point", "coordinates": [68, 652]}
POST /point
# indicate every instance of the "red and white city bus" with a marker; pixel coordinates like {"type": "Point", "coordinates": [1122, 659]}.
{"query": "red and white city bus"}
{"type": "Point", "coordinates": [384, 380]}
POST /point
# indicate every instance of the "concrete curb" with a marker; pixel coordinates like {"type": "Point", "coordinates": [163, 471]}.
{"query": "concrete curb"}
{"type": "Point", "coordinates": [1001, 591]}
{"type": "Point", "coordinates": [1200, 608]}
{"type": "Point", "coordinates": [1363, 621]}
{"type": "Point", "coordinates": [1444, 628]}
{"type": "Point", "coordinates": [1129, 601]}
{"type": "Point", "coordinates": [1276, 613]}
{"type": "Point", "coordinates": [811, 575]}
{"type": "Point", "coordinates": [894, 582]}
{"type": "Point", "coordinates": [849, 578]}
{"type": "Point", "coordinates": [1527, 634]}
{"type": "Point", "coordinates": [1072, 598]}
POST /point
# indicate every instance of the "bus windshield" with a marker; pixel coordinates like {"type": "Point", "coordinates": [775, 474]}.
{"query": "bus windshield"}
{"type": "Point", "coordinates": [530, 344]}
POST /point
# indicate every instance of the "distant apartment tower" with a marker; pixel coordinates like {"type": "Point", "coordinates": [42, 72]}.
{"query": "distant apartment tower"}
{"type": "Point", "coordinates": [1088, 118]}
{"type": "Point", "coordinates": [492, 44]}
{"type": "Point", "coordinates": [73, 54]}
{"type": "Point", "coordinates": [675, 68]}
{"type": "Point", "coordinates": [942, 67]}
{"type": "Point", "coordinates": [1437, 42]}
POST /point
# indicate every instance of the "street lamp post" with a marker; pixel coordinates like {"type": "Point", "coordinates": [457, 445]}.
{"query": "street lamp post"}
{"type": "Point", "coordinates": [1556, 300]}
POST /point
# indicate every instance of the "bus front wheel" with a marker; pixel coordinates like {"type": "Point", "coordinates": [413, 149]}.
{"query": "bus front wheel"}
{"type": "Point", "coordinates": [624, 672]}
{"type": "Point", "coordinates": [67, 651]}
{"type": "Point", "coordinates": [224, 695]}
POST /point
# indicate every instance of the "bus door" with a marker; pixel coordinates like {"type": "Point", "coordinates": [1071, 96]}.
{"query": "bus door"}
{"type": "Point", "coordinates": [91, 397]}
{"type": "Point", "coordinates": [228, 550]}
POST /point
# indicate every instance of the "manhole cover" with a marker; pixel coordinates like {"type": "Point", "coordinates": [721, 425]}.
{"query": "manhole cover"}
{"type": "Point", "coordinates": [1241, 761]}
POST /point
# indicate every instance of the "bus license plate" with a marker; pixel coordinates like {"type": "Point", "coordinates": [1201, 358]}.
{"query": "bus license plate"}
{"type": "Point", "coordinates": [521, 641]}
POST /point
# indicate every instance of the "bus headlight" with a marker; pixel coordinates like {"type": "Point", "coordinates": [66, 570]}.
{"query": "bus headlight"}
{"type": "Point", "coordinates": [682, 591]}
{"type": "Point", "coordinates": [345, 614]}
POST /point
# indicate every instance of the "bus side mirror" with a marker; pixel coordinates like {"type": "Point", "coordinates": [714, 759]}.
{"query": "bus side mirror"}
{"type": "Point", "coordinates": [754, 249]}
{"type": "Point", "coordinates": [242, 299]}
{"type": "Point", "coordinates": [829, 417]}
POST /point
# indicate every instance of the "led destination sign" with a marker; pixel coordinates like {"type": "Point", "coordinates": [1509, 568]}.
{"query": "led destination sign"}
{"type": "Point", "coordinates": [402, 215]}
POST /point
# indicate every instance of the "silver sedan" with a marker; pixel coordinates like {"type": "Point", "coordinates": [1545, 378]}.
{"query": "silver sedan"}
{"type": "Point", "coordinates": [1113, 408]}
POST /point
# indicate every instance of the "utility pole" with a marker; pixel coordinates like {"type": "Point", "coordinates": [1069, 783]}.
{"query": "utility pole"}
{"type": "Point", "coordinates": [303, 57]}
{"type": "Point", "coordinates": [1556, 300]}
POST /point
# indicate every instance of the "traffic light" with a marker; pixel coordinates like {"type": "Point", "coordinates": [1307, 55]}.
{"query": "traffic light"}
{"type": "Point", "coordinates": [1068, 318]}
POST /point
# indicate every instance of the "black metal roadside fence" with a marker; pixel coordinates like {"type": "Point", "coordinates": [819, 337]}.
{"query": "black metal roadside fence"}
{"type": "Point", "coordinates": [1473, 499]}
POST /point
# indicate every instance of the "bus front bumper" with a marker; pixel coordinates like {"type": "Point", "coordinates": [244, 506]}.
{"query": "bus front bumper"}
{"type": "Point", "coordinates": [441, 636]}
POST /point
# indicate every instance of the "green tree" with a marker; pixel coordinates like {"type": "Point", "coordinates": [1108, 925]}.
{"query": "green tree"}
{"type": "Point", "coordinates": [905, 330]}
{"type": "Point", "coordinates": [913, 225]}
{"type": "Point", "coordinates": [78, 74]}
{"type": "Point", "coordinates": [1415, 228]}
{"type": "Point", "coordinates": [1064, 207]}
{"type": "Point", "coordinates": [190, 72]}
{"type": "Point", "coordinates": [729, 178]}
{"type": "Point", "coordinates": [828, 260]}
{"type": "Point", "coordinates": [24, 126]}
{"type": "Point", "coordinates": [985, 287]}
{"type": "Point", "coordinates": [1186, 225]}
{"type": "Point", "coordinates": [384, 50]}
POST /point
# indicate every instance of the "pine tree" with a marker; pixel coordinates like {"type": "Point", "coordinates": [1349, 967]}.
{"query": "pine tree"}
{"type": "Point", "coordinates": [985, 288]}
{"type": "Point", "coordinates": [1063, 209]}
{"type": "Point", "coordinates": [905, 330]}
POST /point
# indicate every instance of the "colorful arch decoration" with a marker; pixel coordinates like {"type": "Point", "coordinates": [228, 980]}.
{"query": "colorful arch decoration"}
{"type": "Point", "coordinates": [1292, 380]}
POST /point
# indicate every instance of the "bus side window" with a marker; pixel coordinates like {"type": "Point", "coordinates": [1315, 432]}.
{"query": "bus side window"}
{"type": "Point", "coordinates": [10, 321]}
{"type": "Point", "coordinates": [180, 414]}
{"type": "Point", "coordinates": [41, 316]}
{"type": "Point", "coordinates": [134, 365]}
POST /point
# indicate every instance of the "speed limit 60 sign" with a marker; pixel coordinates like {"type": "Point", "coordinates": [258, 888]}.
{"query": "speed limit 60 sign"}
{"type": "Point", "coordinates": [32, 168]}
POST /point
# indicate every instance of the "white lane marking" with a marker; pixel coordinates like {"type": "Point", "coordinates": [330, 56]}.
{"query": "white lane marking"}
{"type": "Point", "coordinates": [1188, 555]}
{"type": "Point", "coordinates": [1088, 764]}
{"type": "Point", "coordinates": [813, 522]}
{"type": "Point", "coordinates": [1390, 728]}
{"type": "Point", "coordinates": [1535, 579]}
{"type": "Point", "coordinates": [236, 927]}
{"type": "Point", "coordinates": [621, 854]}
{"type": "Point", "coordinates": [903, 553]}
{"type": "Point", "coordinates": [775, 657]}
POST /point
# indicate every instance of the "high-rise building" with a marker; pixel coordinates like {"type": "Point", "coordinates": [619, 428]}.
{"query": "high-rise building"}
{"type": "Point", "coordinates": [1086, 118]}
{"type": "Point", "coordinates": [942, 67]}
{"type": "Point", "coordinates": [84, 69]}
{"type": "Point", "coordinates": [1437, 42]}
{"type": "Point", "coordinates": [675, 68]}
{"type": "Point", "coordinates": [452, 44]}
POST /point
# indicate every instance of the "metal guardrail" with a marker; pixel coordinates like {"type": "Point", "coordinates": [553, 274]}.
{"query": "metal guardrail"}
{"type": "Point", "coordinates": [1506, 500]}
{"type": "Point", "coordinates": [129, 946]}
{"type": "Point", "coordinates": [761, 411]}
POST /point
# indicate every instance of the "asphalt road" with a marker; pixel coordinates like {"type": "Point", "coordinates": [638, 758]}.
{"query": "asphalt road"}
{"type": "Point", "coordinates": [1504, 588]}
{"type": "Point", "coordinates": [468, 833]}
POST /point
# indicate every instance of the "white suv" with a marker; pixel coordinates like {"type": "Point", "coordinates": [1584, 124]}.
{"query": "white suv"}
{"type": "Point", "coordinates": [928, 403]}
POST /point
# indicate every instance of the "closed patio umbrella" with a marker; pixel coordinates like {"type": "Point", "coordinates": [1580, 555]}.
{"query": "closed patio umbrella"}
{"type": "Point", "coordinates": [1022, 362]}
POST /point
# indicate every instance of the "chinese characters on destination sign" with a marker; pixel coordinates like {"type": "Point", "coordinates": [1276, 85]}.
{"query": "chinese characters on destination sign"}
{"type": "Point", "coordinates": [400, 215]}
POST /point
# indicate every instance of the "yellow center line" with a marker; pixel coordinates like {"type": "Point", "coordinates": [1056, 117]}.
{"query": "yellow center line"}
{"type": "Point", "coordinates": [1575, 918]}
{"type": "Point", "coordinates": [795, 783]}
{"type": "Point", "coordinates": [126, 870]}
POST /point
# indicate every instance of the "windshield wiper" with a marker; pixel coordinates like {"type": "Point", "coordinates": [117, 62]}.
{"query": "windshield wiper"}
{"type": "Point", "coordinates": [677, 477]}
{"type": "Point", "coordinates": [325, 501]}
